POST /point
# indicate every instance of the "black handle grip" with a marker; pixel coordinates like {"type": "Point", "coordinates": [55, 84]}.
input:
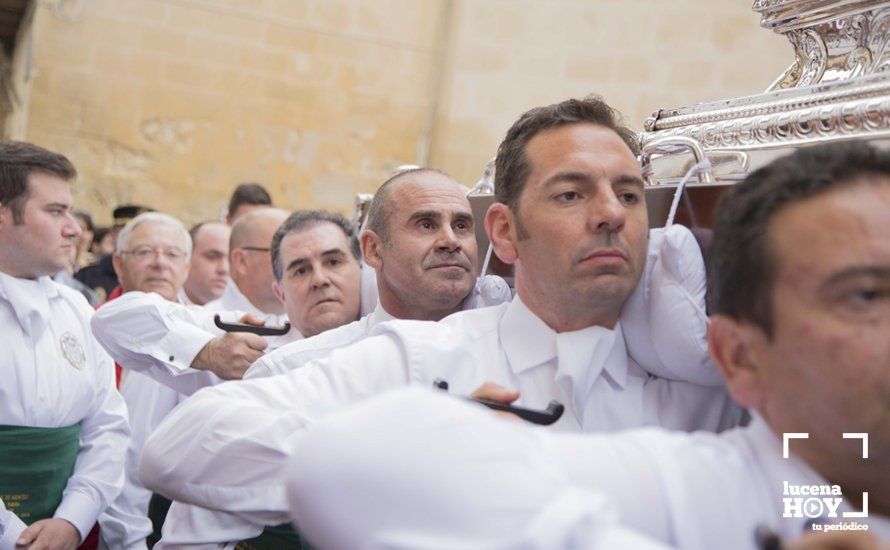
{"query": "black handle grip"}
{"type": "Point", "coordinates": [241, 327]}
{"type": "Point", "coordinates": [548, 416]}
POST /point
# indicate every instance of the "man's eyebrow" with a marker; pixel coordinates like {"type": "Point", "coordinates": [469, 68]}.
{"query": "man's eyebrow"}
{"type": "Point", "coordinates": [569, 176]}
{"type": "Point", "coordinates": [421, 214]}
{"type": "Point", "coordinates": [296, 262]}
{"type": "Point", "coordinates": [855, 272]}
{"type": "Point", "coordinates": [583, 177]}
{"type": "Point", "coordinates": [629, 179]}
{"type": "Point", "coordinates": [58, 205]}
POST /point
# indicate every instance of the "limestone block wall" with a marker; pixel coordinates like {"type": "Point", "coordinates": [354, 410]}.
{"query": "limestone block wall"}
{"type": "Point", "coordinates": [508, 56]}
{"type": "Point", "coordinates": [171, 103]}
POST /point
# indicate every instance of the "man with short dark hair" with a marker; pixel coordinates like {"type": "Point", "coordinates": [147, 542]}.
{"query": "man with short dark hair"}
{"type": "Point", "coordinates": [247, 197]}
{"type": "Point", "coordinates": [799, 291]}
{"type": "Point", "coordinates": [315, 259]}
{"type": "Point", "coordinates": [209, 269]}
{"type": "Point", "coordinates": [63, 427]}
{"type": "Point", "coordinates": [585, 221]}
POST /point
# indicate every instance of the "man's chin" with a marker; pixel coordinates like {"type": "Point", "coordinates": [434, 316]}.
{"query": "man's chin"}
{"type": "Point", "coordinates": [327, 321]}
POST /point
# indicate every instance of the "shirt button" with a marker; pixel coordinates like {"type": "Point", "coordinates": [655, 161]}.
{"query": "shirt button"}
{"type": "Point", "coordinates": [171, 358]}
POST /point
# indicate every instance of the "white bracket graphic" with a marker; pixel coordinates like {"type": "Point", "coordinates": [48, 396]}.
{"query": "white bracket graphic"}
{"type": "Point", "coordinates": [791, 435]}
{"type": "Point", "coordinates": [863, 437]}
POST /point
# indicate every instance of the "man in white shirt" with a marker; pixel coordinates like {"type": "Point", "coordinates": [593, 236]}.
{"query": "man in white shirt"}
{"type": "Point", "coordinates": [568, 172]}
{"type": "Point", "coordinates": [209, 269]}
{"type": "Point", "coordinates": [799, 291]}
{"type": "Point", "coordinates": [420, 243]}
{"type": "Point", "coordinates": [63, 426]}
{"type": "Point", "coordinates": [250, 287]}
{"type": "Point", "coordinates": [153, 255]}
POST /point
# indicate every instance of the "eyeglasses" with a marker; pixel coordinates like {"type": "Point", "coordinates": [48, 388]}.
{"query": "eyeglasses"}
{"type": "Point", "coordinates": [255, 248]}
{"type": "Point", "coordinates": [145, 254]}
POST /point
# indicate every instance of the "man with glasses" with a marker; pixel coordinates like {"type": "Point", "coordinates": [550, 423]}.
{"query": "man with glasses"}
{"type": "Point", "coordinates": [152, 255]}
{"type": "Point", "coordinates": [250, 289]}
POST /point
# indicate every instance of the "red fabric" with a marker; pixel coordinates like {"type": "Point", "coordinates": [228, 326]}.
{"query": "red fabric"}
{"type": "Point", "coordinates": [118, 371]}
{"type": "Point", "coordinates": [91, 542]}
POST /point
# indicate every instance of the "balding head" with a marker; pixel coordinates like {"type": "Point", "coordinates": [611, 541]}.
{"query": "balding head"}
{"type": "Point", "coordinates": [421, 242]}
{"type": "Point", "coordinates": [380, 211]}
{"type": "Point", "coordinates": [209, 273]}
{"type": "Point", "coordinates": [251, 264]}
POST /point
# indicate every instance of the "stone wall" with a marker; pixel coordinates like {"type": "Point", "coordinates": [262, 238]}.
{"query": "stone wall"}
{"type": "Point", "coordinates": [170, 103]}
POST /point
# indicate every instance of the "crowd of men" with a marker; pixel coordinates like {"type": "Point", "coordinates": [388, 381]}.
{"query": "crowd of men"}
{"type": "Point", "coordinates": [284, 380]}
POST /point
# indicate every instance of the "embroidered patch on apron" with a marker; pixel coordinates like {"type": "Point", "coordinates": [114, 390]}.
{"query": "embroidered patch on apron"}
{"type": "Point", "coordinates": [72, 350]}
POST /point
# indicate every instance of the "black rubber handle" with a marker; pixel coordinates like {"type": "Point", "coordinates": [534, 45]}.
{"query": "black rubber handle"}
{"type": "Point", "coordinates": [242, 327]}
{"type": "Point", "coordinates": [548, 416]}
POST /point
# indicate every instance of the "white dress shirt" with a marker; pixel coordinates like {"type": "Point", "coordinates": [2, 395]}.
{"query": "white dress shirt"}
{"type": "Point", "coordinates": [133, 328]}
{"type": "Point", "coordinates": [125, 523]}
{"type": "Point", "coordinates": [296, 354]}
{"type": "Point", "coordinates": [448, 469]}
{"type": "Point", "coordinates": [233, 299]}
{"type": "Point", "coordinates": [193, 526]}
{"type": "Point", "coordinates": [10, 528]}
{"type": "Point", "coordinates": [225, 447]}
{"type": "Point", "coordinates": [159, 338]}
{"type": "Point", "coordinates": [56, 375]}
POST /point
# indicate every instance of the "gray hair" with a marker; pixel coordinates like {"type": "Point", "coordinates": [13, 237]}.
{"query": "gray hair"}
{"type": "Point", "coordinates": [123, 238]}
{"type": "Point", "coordinates": [301, 220]}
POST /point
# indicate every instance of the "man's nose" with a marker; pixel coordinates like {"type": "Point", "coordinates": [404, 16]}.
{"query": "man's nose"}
{"type": "Point", "coordinates": [446, 239]}
{"type": "Point", "coordinates": [320, 277]}
{"type": "Point", "coordinates": [606, 213]}
{"type": "Point", "coordinates": [71, 229]}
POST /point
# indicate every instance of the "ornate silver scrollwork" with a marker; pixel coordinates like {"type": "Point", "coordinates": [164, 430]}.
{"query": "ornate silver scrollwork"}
{"type": "Point", "coordinates": [838, 86]}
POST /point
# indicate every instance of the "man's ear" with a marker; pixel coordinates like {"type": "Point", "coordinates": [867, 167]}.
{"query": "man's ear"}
{"type": "Point", "coordinates": [276, 288]}
{"type": "Point", "coordinates": [5, 215]}
{"type": "Point", "coordinates": [371, 245]}
{"type": "Point", "coordinates": [734, 348]}
{"type": "Point", "coordinates": [500, 224]}
{"type": "Point", "coordinates": [117, 263]}
{"type": "Point", "coordinates": [237, 261]}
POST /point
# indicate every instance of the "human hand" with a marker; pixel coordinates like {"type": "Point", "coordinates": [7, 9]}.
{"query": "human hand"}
{"type": "Point", "coordinates": [229, 355]}
{"type": "Point", "coordinates": [49, 534]}
{"type": "Point", "coordinates": [490, 391]}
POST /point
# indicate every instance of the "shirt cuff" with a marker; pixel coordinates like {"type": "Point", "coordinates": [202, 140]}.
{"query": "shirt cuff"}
{"type": "Point", "coordinates": [80, 510]}
{"type": "Point", "coordinates": [12, 530]}
{"type": "Point", "coordinates": [179, 347]}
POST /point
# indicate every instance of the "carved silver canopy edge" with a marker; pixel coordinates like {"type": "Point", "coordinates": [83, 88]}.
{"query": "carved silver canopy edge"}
{"type": "Point", "coordinates": [837, 88]}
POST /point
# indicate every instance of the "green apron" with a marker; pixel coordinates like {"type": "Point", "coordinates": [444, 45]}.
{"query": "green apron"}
{"type": "Point", "coordinates": [35, 464]}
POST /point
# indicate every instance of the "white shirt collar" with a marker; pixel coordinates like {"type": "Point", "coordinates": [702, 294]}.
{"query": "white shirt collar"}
{"type": "Point", "coordinates": [525, 338]}
{"type": "Point", "coordinates": [379, 315]}
{"type": "Point", "coordinates": [29, 300]}
{"type": "Point", "coordinates": [184, 298]}
{"type": "Point", "coordinates": [529, 342]}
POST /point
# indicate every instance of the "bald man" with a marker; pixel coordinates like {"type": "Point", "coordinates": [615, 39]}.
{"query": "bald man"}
{"type": "Point", "coordinates": [209, 271]}
{"type": "Point", "coordinates": [250, 289]}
